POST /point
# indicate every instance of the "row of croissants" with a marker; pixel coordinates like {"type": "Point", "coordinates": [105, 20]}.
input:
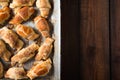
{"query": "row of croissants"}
{"type": "Point", "coordinates": [22, 10]}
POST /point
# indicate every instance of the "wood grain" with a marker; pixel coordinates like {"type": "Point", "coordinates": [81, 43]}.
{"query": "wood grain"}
{"type": "Point", "coordinates": [115, 38]}
{"type": "Point", "coordinates": [70, 40]}
{"type": "Point", "coordinates": [94, 40]}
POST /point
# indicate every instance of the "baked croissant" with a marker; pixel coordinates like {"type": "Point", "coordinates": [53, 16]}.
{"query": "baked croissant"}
{"type": "Point", "coordinates": [26, 32]}
{"type": "Point", "coordinates": [4, 3]}
{"type": "Point", "coordinates": [44, 7]}
{"type": "Point", "coordinates": [4, 53]}
{"type": "Point", "coordinates": [16, 73]}
{"type": "Point", "coordinates": [1, 70]}
{"type": "Point", "coordinates": [25, 54]}
{"type": "Point", "coordinates": [21, 3]}
{"type": "Point", "coordinates": [22, 14]}
{"type": "Point", "coordinates": [45, 49]}
{"type": "Point", "coordinates": [4, 14]}
{"type": "Point", "coordinates": [11, 38]}
{"type": "Point", "coordinates": [41, 68]}
{"type": "Point", "coordinates": [43, 26]}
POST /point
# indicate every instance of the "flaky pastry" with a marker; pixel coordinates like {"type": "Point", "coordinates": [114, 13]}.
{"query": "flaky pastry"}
{"type": "Point", "coordinates": [16, 73]}
{"type": "Point", "coordinates": [25, 54]}
{"type": "Point", "coordinates": [11, 38]}
{"type": "Point", "coordinates": [40, 68]}
{"type": "Point", "coordinates": [26, 32]}
{"type": "Point", "coordinates": [43, 26]}
{"type": "Point", "coordinates": [45, 49]}
{"type": "Point", "coordinates": [44, 7]}
{"type": "Point", "coordinates": [23, 14]}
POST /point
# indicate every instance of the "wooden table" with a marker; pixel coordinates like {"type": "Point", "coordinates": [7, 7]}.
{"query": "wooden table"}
{"type": "Point", "coordinates": [90, 39]}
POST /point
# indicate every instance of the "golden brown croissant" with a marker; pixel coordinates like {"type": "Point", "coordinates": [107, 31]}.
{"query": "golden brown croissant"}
{"type": "Point", "coordinates": [25, 54]}
{"type": "Point", "coordinates": [1, 70]}
{"type": "Point", "coordinates": [4, 14]}
{"type": "Point", "coordinates": [43, 26]}
{"type": "Point", "coordinates": [16, 73]}
{"type": "Point", "coordinates": [45, 49]}
{"type": "Point", "coordinates": [44, 7]}
{"type": "Point", "coordinates": [4, 53]}
{"type": "Point", "coordinates": [23, 14]}
{"type": "Point", "coordinates": [4, 3]}
{"type": "Point", "coordinates": [26, 32]}
{"type": "Point", "coordinates": [11, 38]}
{"type": "Point", "coordinates": [21, 3]}
{"type": "Point", "coordinates": [41, 68]}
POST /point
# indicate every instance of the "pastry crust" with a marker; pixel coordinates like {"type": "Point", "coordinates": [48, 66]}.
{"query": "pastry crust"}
{"type": "Point", "coordinates": [11, 38]}
{"type": "Point", "coordinates": [26, 32]}
{"type": "Point", "coordinates": [41, 68]}
{"type": "Point", "coordinates": [16, 73]}
{"type": "Point", "coordinates": [44, 7]}
{"type": "Point", "coordinates": [43, 26]}
{"type": "Point", "coordinates": [21, 3]}
{"type": "Point", "coordinates": [4, 14]}
{"type": "Point", "coordinates": [22, 14]}
{"type": "Point", "coordinates": [1, 70]}
{"type": "Point", "coordinates": [25, 54]}
{"type": "Point", "coordinates": [4, 3]}
{"type": "Point", "coordinates": [4, 53]}
{"type": "Point", "coordinates": [45, 49]}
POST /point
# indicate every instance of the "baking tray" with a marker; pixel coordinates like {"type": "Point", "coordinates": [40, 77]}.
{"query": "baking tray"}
{"type": "Point", "coordinates": [55, 23]}
{"type": "Point", "coordinates": [55, 20]}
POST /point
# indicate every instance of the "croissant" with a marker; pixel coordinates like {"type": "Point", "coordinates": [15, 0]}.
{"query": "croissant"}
{"type": "Point", "coordinates": [41, 68]}
{"type": "Point", "coordinates": [25, 54]}
{"type": "Point", "coordinates": [4, 53]}
{"type": "Point", "coordinates": [21, 3]}
{"type": "Point", "coordinates": [4, 14]}
{"type": "Point", "coordinates": [11, 38]}
{"type": "Point", "coordinates": [1, 70]}
{"type": "Point", "coordinates": [16, 73]}
{"type": "Point", "coordinates": [44, 7]}
{"type": "Point", "coordinates": [4, 3]}
{"type": "Point", "coordinates": [22, 14]}
{"type": "Point", "coordinates": [45, 49]}
{"type": "Point", "coordinates": [26, 32]}
{"type": "Point", "coordinates": [42, 26]}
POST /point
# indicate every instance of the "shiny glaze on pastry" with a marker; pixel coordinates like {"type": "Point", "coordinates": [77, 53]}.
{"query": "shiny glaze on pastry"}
{"type": "Point", "coordinates": [4, 14]}
{"type": "Point", "coordinates": [23, 14]}
{"type": "Point", "coordinates": [26, 32]}
{"type": "Point", "coordinates": [40, 68]}
{"type": "Point", "coordinates": [43, 26]}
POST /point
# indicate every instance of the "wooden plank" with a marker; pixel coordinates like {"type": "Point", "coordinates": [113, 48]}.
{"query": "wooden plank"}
{"type": "Point", "coordinates": [94, 40]}
{"type": "Point", "coordinates": [70, 40]}
{"type": "Point", "coordinates": [115, 38]}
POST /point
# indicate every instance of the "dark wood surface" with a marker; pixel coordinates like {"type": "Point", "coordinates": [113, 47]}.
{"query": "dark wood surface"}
{"type": "Point", "coordinates": [94, 39]}
{"type": "Point", "coordinates": [70, 40]}
{"type": "Point", "coordinates": [90, 39]}
{"type": "Point", "coordinates": [115, 39]}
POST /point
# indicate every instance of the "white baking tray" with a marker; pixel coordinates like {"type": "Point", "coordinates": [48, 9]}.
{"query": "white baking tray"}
{"type": "Point", "coordinates": [55, 19]}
